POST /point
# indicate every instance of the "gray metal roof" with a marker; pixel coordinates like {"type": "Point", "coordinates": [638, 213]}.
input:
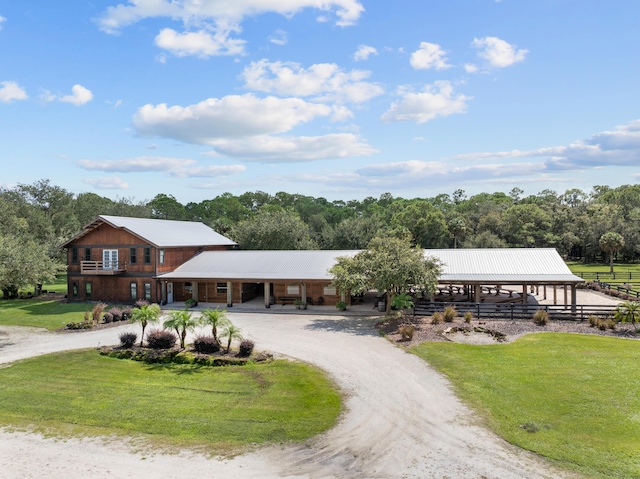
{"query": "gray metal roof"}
{"type": "Point", "coordinates": [260, 265]}
{"type": "Point", "coordinates": [169, 233]}
{"type": "Point", "coordinates": [487, 266]}
{"type": "Point", "coordinates": [503, 265]}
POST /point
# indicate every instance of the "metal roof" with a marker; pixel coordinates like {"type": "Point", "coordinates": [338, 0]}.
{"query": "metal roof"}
{"type": "Point", "coordinates": [162, 233]}
{"type": "Point", "coordinates": [486, 266]}
{"type": "Point", "coordinates": [260, 265]}
{"type": "Point", "coordinates": [503, 265]}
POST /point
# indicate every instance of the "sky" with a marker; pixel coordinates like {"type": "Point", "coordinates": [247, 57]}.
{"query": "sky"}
{"type": "Point", "coordinates": [342, 99]}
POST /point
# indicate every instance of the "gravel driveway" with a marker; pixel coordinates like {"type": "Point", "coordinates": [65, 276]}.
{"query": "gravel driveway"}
{"type": "Point", "coordinates": [401, 418]}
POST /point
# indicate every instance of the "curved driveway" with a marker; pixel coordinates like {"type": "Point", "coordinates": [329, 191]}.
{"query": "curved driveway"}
{"type": "Point", "coordinates": [401, 418]}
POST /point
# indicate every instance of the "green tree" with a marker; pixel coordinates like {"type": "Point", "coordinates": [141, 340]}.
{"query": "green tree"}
{"type": "Point", "coordinates": [148, 313]}
{"type": "Point", "coordinates": [388, 264]}
{"type": "Point", "coordinates": [231, 332]}
{"type": "Point", "coordinates": [274, 228]}
{"type": "Point", "coordinates": [216, 318]}
{"type": "Point", "coordinates": [182, 322]}
{"type": "Point", "coordinates": [628, 312]}
{"type": "Point", "coordinates": [401, 303]}
{"type": "Point", "coordinates": [611, 243]}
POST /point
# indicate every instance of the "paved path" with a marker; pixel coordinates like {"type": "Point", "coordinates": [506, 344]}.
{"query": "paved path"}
{"type": "Point", "coordinates": [401, 419]}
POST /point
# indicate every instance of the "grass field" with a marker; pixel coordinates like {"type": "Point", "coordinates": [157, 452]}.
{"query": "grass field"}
{"type": "Point", "coordinates": [619, 269]}
{"type": "Point", "coordinates": [217, 410]}
{"type": "Point", "coordinates": [40, 313]}
{"type": "Point", "coordinates": [574, 399]}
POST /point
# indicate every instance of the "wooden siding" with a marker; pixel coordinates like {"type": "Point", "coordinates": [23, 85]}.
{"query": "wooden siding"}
{"type": "Point", "coordinates": [112, 289]}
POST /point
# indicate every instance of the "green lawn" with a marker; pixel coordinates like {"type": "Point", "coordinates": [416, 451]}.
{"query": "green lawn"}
{"type": "Point", "coordinates": [217, 410]}
{"type": "Point", "coordinates": [40, 313]}
{"type": "Point", "coordinates": [580, 394]}
{"type": "Point", "coordinates": [577, 267]}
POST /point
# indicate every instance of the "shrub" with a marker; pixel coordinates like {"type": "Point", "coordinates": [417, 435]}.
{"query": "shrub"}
{"type": "Point", "coordinates": [116, 314]}
{"type": "Point", "coordinates": [206, 345]}
{"type": "Point", "coordinates": [341, 305]}
{"type": "Point", "coordinates": [96, 312]}
{"type": "Point", "coordinates": [140, 303]}
{"type": "Point", "coordinates": [160, 339]}
{"type": "Point", "coordinates": [126, 314]}
{"type": "Point", "coordinates": [190, 303]}
{"type": "Point", "coordinates": [540, 318]}
{"type": "Point", "coordinates": [437, 318]}
{"type": "Point", "coordinates": [107, 317]}
{"type": "Point", "coordinates": [128, 339]}
{"type": "Point", "coordinates": [593, 321]}
{"type": "Point", "coordinates": [80, 325]}
{"type": "Point", "coordinates": [468, 317]}
{"type": "Point", "coordinates": [246, 348]}
{"type": "Point", "coordinates": [406, 332]}
{"type": "Point", "coordinates": [450, 314]}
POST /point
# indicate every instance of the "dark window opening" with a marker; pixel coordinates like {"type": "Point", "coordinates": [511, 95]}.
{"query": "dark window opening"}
{"type": "Point", "coordinates": [147, 256]}
{"type": "Point", "coordinates": [134, 291]}
{"type": "Point", "coordinates": [147, 291]}
{"type": "Point", "coordinates": [74, 255]}
{"type": "Point", "coordinates": [87, 254]}
{"type": "Point", "coordinates": [133, 255]}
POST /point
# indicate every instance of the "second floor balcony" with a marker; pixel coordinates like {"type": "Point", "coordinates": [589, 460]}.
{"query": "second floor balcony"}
{"type": "Point", "coordinates": [103, 267]}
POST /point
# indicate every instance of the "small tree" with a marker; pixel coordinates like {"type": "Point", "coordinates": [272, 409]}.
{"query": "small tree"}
{"type": "Point", "coordinates": [402, 302]}
{"type": "Point", "coordinates": [148, 313]}
{"type": "Point", "coordinates": [611, 243]}
{"type": "Point", "coordinates": [182, 322]}
{"type": "Point", "coordinates": [231, 332]}
{"type": "Point", "coordinates": [216, 318]}
{"type": "Point", "coordinates": [628, 312]}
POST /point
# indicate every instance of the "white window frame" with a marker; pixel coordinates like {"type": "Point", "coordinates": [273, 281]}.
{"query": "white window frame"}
{"type": "Point", "coordinates": [161, 255]}
{"type": "Point", "coordinates": [109, 258]}
{"type": "Point", "coordinates": [329, 291]}
{"type": "Point", "coordinates": [293, 289]}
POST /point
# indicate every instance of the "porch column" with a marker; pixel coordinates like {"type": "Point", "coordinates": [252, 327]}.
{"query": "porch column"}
{"type": "Point", "coordinates": [476, 293]}
{"type": "Point", "coordinates": [229, 294]}
{"type": "Point", "coordinates": [303, 289]}
{"type": "Point", "coordinates": [564, 287]}
{"type": "Point", "coordinates": [267, 294]}
{"type": "Point", "coordinates": [574, 297]}
{"type": "Point", "coordinates": [194, 290]}
{"type": "Point", "coordinates": [545, 291]}
{"type": "Point", "coordinates": [555, 295]}
{"type": "Point", "coordinates": [525, 293]}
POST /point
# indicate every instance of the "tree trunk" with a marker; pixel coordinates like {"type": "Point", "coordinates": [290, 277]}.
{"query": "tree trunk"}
{"type": "Point", "coordinates": [611, 262]}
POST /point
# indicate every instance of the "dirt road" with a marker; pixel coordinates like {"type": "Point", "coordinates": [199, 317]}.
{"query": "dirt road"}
{"type": "Point", "coordinates": [401, 418]}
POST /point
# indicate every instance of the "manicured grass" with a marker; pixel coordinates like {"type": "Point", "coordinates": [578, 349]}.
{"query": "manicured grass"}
{"type": "Point", "coordinates": [40, 313]}
{"type": "Point", "coordinates": [577, 267]}
{"type": "Point", "coordinates": [579, 393]}
{"type": "Point", "coordinates": [217, 410]}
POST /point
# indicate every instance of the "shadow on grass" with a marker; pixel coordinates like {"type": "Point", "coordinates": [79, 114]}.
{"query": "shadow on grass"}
{"type": "Point", "coordinates": [177, 369]}
{"type": "Point", "coordinates": [357, 326]}
{"type": "Point", "coordinates": [41, 306]}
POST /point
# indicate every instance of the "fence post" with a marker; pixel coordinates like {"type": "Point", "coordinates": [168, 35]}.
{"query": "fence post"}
{"type": "Point", "coordinates": [511, 311]}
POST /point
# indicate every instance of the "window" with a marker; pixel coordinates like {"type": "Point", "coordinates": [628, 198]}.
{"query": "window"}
{"type": "Point", "coordinates": [293, 289]}
{"type": "Point", "coordinates": [329, 291]}
{"type": "Point", "coordinates": [87, 290]}
{"type": "Point", "coordinates": [147, 291]}
{"type": "Point", "coordinates": [221, 288]}
{"type": "Point", "coordinates": [161, 256]}
{"type": "Point", "coordinates": [74, 255]}
{"type": "Point", "coordinates": [110, 259]}
{"type": "Point", "coordinates": [87, 254]}
{"type": "Point", "coordinates": [74, 289]}
{"type": "Point", "coordinates": [147, 256]}
{"type": "Point", "coordinates": [134, 291]}
{"type": "Point", "coordinates": [133, 255]}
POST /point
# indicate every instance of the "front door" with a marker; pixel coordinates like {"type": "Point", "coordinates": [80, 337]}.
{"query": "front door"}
{"type": "Point", "coordinates": [169, 292]}
{"type": "Point", "coordinates": [109, 258]}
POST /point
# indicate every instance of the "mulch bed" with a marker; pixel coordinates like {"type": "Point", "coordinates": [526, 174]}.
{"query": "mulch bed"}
{"type": "Point", "coordinates": [425, 331]}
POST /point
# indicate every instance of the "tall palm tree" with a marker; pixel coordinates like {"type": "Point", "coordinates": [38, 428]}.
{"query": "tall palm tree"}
{"type": "Point", "coordinates": [148, 313]}
{"type": "Point", "coordinates": [232, 332]}
{"type": "Point", "coordinates": [628, 312]}
{"type": "Point", "coordinates": [182, 322]}
{"type": "Point", "coordinates": [216, 318]}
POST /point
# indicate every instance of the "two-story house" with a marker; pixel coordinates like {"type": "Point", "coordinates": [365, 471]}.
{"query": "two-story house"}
{"type": "Point", "coordinates": [118, 259]}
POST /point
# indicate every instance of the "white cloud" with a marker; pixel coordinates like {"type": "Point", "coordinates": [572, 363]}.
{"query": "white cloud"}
{"type": "Point", "coordinates": [470, 68]}
{"type": "Point", "coordinates": [10, 90]}
{"type": "Point", "coordinates": [364, 52]}
{"type": "Point", "coordinates": [201, 43]}
{"type": "Point", "coordinates": [276, 149]}
{"type": "Point", "coordinates": [2, 20]}
{"type": "Point", "coordinates": [279, 37]}
{"type": "Point", "coordinates": [323, 81]}
{"type": "Point", "coordinates": [436, 100]}
{"type": "Point", "coordinates": [175, 167]}
{"type": "Point", "coordinates": [428, 56]}
{"type": "Point", "coordinates": [213, 171]}
{"type": "Point", "coordinates": [497, 52]}
{"type": "Point", "coordinates": [107, 183]}
{"type": "Point", "coordinates": [79, 96]}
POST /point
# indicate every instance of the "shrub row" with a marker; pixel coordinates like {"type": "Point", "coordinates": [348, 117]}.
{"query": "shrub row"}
{"type": "Point", "coordinates": [181, 357]}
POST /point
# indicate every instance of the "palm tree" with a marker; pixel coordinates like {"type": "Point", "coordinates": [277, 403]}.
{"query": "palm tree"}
{"type": "Point", "coordinates": [182, 322]}
{"type": "Point", "coordinates": [611, 243]}
{"type": "Point", "coordinates": [628, 312]}
{"type": "Point", "coordinates": [216, 318]}
{"type": "Point", "coordinates": [232, 332]}
{"type": "Point", "coordinates": [148, 313]}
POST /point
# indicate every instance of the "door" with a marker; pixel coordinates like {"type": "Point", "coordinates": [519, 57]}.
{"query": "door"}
{"type": "Point", "coordinates": [169, 292]}
{"type": "Point", "coordinates": [109, 259]}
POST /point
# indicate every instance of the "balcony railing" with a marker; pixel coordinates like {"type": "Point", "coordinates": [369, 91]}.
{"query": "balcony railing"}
{"type": "Point", "coordinates": [102, 267]}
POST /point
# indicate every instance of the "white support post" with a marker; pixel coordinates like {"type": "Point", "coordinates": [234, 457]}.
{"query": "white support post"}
{"type": "Point", "coordinates": [267, 294]}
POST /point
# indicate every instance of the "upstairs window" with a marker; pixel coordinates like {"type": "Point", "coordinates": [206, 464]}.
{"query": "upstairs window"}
{"type": "Point", "coordinates": [161, 256]}
{"type": "Point", "coordinates": [147, 256]}
{"type": "Point", "coordinates": [74, 255]}
{"type": "Point", "coordinates": [87, 254]}
{"type": "Point", "coordinates": [133, 255]}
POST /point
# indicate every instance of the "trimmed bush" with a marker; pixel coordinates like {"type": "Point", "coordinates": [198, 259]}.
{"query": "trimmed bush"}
{"type": "Point", "coordinates": [107, 317]}
{"type": "Point", "coordinates": [206, 345]}
{"type": "Point", "coordinates": [126, 314]}
{"type": "Point", "coordinates": [246, 348]}
{"type": "Point", "coordinates": [540, 318]}
{"type": "Point", "coordinates": [593, 321]}
{"type": "Point", "coordinates": [468, 317]}
{"type": "Point", "coordinates": [116, 314]}
{"type": "Point", "coordinates": [406, 332]}
{"type": "Point", "coordinates": [161, 339]}
{"type": "Point", "coordinates": [128, 339]}
{"type": "Point", "coordinates": [80, 325]}
{"type": "Point", "coordinates": [437, 318]}
{"type": "Point", "coordinates": [450, 314]}
{"type": "Point", "coordinates": [140, 303]}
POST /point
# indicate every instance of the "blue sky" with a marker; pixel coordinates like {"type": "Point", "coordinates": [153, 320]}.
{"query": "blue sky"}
{"type": "Point", "coordinates": [336, 98]}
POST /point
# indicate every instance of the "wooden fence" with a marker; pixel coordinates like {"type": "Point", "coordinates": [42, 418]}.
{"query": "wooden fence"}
{"type": "Point", "coordinates": [620, 276]}
{"type": "Point", "coordinates": [623, 289]}
{"type": "Point", "coordinates": [516, 311]}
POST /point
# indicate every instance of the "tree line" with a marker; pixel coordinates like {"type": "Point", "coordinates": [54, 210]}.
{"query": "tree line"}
{"type": "Point", "coordinates": [37, 218]}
